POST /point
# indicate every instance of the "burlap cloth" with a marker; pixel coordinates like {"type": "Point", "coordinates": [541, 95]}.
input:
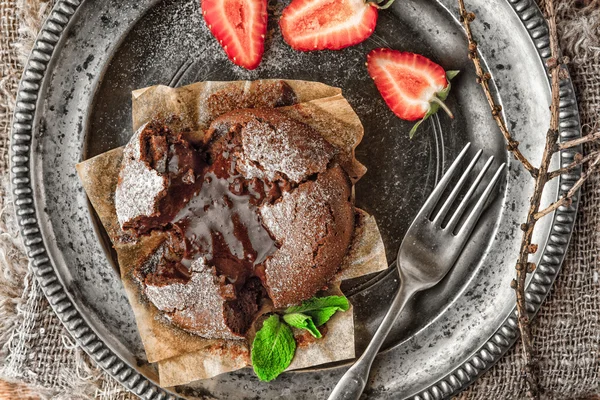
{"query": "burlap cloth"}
{"type": "Point", "coordinates": [39, 355]}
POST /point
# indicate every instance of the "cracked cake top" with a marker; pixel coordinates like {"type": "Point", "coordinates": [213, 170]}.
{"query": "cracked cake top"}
{"type": "Point", "coordinates": [259, 210]}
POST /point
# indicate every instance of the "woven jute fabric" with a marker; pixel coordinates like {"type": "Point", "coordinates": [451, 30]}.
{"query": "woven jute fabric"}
{"type": "Point", "coordinates": [567, 329]}
{"type": "Point", "coordinates": [37, 353]}
{"type": "Point", "coordinates": [40, 359]}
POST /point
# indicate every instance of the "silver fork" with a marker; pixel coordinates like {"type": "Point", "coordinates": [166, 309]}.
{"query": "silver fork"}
{"type": "Point", "coordinates": [426, 254]}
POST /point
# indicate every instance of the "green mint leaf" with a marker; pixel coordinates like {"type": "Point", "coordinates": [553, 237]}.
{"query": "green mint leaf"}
{"type": "Point", "coordinates": [321, 316]}
{"type": "Point", "coordinates": [302, 321]}
{"type": "Point", "coordinates": [318, 303]}
{"type": "Point", "coordinates": [320, 309]}
{"type": "Point", "coordinates": [273, 349]}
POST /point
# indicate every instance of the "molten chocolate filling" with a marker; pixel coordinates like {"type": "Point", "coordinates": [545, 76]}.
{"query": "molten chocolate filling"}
{"type": "Point", "coordinates": [209, 210]}
{"type": "Point", "coordinates": [221, 222]}
{"type": "Point", "coordinates": [179, 163]}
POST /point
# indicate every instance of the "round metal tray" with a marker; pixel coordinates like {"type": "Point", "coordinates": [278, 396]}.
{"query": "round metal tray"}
{"type": "Point", "coordinates": [74, 103]}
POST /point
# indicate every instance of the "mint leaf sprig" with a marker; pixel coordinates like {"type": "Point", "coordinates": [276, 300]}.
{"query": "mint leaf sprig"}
{"type": "Point", "coordinates": [273, 349]}
{"type": "Point", "coordinates": [274, 345]}
{"type": "Point", "coordinates": [302, 321]}
{"type": "Point", "coordinates": [315, 312]}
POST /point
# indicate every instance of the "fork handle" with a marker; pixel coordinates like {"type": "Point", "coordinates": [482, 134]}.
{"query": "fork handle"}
{"type": "Point", "coordinates": [353, 382]}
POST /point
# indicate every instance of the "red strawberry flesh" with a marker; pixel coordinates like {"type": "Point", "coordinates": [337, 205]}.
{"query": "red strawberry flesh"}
{"type": "Point", "coordinates": [327, 24]}
{"type": "Point", "coordinates": [240, 27]}
{"type": "Point", "coordinates": [408, 82]}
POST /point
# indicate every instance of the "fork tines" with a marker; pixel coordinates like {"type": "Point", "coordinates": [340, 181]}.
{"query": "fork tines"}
{"type": "Point", "coordinates": [476, 210]}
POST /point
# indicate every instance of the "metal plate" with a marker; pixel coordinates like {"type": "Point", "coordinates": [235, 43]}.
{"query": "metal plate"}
{"type": "Point", "coordinates": [74, 103]}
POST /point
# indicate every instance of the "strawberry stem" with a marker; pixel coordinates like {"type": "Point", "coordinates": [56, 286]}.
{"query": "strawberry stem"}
{"type": "Point", "coordinates": [439, 102]}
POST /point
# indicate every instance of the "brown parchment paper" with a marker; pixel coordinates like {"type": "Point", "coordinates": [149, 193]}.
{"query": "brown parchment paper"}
{"type": "Point", "coordinates": [185, 357]}
{"type": "Point", "coordinates": [198, 104]}
{"type": "Point", "coordinates": [318, 105]}
{"type": "Point", "coordinates": [336, 345]}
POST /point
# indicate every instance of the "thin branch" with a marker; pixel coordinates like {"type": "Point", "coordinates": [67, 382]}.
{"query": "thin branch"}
{"type": "Point", "coordinates": [482, 79]}
{"type": "Point", "coordinates": [523, 266]}
{"type": "Point", "coordinates": [592, 137]}
{"type": "Point", "coordinates": [541, 176]}
{"type": "Point", "coordinates": [566, 199]}
{"type": "Point", "coordinates": [579, 160]}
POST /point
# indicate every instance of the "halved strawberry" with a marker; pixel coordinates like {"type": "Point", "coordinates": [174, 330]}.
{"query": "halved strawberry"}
{"type": "Point", "coordinates": [413, 86]}
{"type": "Point", "coordinates": [240, 27]}
{"type": "Point", "coordinates": [327, 24]}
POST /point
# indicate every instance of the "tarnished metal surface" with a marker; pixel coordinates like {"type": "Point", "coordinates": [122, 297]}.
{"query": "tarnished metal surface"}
{"type": "Point", "coordinates": [74, 102]}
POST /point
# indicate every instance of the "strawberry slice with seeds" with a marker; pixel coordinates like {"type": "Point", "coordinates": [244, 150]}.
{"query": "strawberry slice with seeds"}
{"type": "Point", "coordinates": [240, 27]}
{"type": "Point", "coordinates": [413, 86]}
{"type": "Point", "coordinates": [327, 24]}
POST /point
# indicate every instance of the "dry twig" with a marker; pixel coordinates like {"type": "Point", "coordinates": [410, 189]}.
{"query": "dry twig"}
{"type": "Point", "coordinates": [566, 199]}
{"type": "Point", "coordinates": [483, 79]}
{"type": "Point", "coordinates": [541, 175]}
{"type": "Point", "coordinates": [579, 160]}
{"type": "Point", "coordinates": [592, 137]}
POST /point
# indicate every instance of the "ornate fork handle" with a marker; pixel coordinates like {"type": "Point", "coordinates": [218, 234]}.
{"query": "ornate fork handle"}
{"type": "Point", "coordinates": [351, 386]}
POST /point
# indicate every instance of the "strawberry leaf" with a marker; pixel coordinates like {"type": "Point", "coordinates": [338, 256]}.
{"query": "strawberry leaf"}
{"type": "Point", "coordinates": [381, 4]}
{"type": "Point", "coordinates": [451, 74]}
{"type": "Point", "coordinates": [413, 131]}
{"type": "Point", "coordinates": [443, 94]}
{"type": "Point", "coordinates": [273, 349]}
{"type": "Point", "coordinates": [433, 108]}
{"type": "Point", "coordinates": [302, 321]}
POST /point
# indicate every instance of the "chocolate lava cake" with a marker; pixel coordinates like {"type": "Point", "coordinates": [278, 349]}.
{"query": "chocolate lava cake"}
{"type": "Point", "coordinates": [259, 209]}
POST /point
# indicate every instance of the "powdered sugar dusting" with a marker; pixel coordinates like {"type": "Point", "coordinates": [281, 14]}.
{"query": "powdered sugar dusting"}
{"type": "Point", "coordinates": [198, 302]}
{"type": "Point", "coordinates": [139, 185]}
{"type": "Point", "coordinates": [312, 204]}
{"type": "Point", "coordinates": [182, 35]}
{"type": "Point", "coordinates": [305, 222]}
{"type": "Point", "coordinates": [278, 152]}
